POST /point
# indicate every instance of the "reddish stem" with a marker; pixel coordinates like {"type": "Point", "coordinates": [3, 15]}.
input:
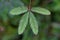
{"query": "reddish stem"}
{"type": "Point", "coordinates": [30, 5]}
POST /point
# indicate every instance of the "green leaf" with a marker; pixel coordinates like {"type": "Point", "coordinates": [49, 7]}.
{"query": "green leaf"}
{"type": "Point", "coordinates": [18, 10]}
{"type": "Point", "coordinates": [41, 10]}
{"type": "Point", "coordinates": [23, 23]}
{"type": "Point", "coordinates": [33, 24]}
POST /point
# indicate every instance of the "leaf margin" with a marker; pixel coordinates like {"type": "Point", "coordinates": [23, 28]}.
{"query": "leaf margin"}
{"type": "Point", "coordinates": [36, 9]}
{"type": "Point", "coordinates": [35, 31]}
{"type": "Point", "coordinates": [20, 23]}
{"type": "Point", "coordinates": [18, 10]}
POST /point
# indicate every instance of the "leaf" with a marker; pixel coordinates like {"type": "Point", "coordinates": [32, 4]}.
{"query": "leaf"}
{"type": "Point", "coordinates": [23, 23]}
{"type": "Point", "coordinates": [18, 10]}
{"type": "Point", "coordinates": [41, 10]}
{"type": "Point", "coordinates": [33, 24]}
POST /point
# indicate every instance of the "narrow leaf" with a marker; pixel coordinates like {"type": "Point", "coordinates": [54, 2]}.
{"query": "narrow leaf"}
{"type": "Point", "coordinates": [23, 23]}
{"type": "Point", "coordinates": [33, 24]}
{"type": "Point", "coordinates": [18, 10]}
{"type": "Point", "coordinates": [41, 10]}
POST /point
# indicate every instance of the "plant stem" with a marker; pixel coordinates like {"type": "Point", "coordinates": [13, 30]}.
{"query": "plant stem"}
{"type": "Point", "coordinates": [30, 5]}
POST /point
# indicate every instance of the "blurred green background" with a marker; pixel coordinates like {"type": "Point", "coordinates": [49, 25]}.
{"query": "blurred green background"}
{"type": "Point", "coordinates": [49, 26]}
